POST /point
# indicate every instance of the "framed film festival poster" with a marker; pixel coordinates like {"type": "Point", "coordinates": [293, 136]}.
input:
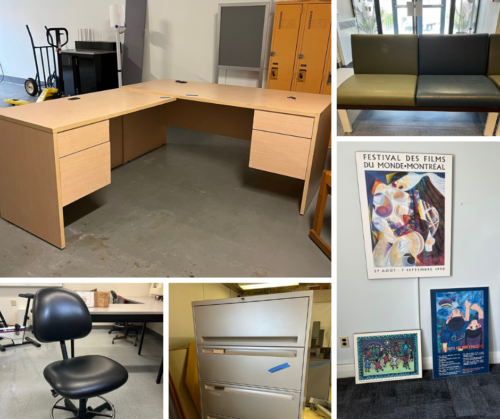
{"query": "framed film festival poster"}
{"type": "Point", "coordinates": [406, 207]}
{"type": "Point", "coordinates": [387, 356]}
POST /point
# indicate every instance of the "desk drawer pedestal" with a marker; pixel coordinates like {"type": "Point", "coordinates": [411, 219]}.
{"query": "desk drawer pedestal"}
{"type": "Point", "coordinates": [85, 172]}
{"type": "Point", "coordinates": [279, 153]}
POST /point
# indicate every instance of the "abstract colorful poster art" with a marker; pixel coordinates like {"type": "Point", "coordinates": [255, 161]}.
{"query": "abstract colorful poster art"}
{"type": "Point", "coordinates": [459, 331]}
{"type": "Point", "coordinates": [406, 207]}
{"type": "Point", "coordinates": [387, 356]}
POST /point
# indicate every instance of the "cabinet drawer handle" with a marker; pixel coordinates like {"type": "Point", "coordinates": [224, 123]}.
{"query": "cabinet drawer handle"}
{"type": "Point", "coordinates": [252, 352]}
{"type": "Point", "coordinates": [278, 396]}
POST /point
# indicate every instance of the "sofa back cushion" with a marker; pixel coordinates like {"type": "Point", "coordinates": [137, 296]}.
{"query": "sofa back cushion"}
{"type": "Point", "coordinates": [453, 55]}
{"type": "Point", "coordinates": [494, 55]}
{"type": "Point", "coordinates": [385, 54]}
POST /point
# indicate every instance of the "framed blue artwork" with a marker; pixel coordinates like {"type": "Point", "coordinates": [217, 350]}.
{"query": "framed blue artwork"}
{"type": "Point", "coordinates": [460, 344]}
{"type": "Point", "coordinates": [387, 356]}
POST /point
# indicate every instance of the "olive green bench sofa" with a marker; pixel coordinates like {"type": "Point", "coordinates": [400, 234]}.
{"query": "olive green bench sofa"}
{"type": "Point", "coordinates": [452, 73]}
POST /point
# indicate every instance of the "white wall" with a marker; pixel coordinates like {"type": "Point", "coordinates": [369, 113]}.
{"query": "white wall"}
{"type": "Point", "coordinates": [487, 16]}
{"type": "Point", "coordinates": [365, 305]}
{"type": "Point", "coordinates": [179, 41]}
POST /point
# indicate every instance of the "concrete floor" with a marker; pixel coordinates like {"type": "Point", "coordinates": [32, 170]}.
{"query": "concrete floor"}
{"type": "Point", "coordinates": [192, 208]}
{"type": "Point", "coordinates": [24, 393]}
{"type": "Point", "coordinates": [410, 123]}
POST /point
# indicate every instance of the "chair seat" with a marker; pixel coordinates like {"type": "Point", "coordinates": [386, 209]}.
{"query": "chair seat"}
{"type": "Point", "coordinates": [85, 376]}
{"type": "Point", "coordinates": [457, 91]}
{"type": "Point", "coordinates": [378, 90]}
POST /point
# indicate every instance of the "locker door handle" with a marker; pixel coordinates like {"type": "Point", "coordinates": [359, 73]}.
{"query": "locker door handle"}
{"type": "Point", "coordinates": [278, 396]}
{"type": "Point", "coordinates": [274, 73]}
{"type": "Point", "coordinates": [302, 76]}
{"type": "Point", "coordinates": [329, 81]}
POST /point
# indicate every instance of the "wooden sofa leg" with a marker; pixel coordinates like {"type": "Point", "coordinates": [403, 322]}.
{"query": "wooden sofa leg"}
{"type": "Point", "coordinates": [490, 124]}
{"type": "Point", "coordinates": [345, 121]}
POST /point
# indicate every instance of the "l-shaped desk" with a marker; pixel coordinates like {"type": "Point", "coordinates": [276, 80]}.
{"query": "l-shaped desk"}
{"type": "Point", "coordinates": [56, 152]}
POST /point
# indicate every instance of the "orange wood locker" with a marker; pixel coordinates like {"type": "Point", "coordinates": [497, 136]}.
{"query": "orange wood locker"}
{"type": "Point", "coordinates": [286, 29]}
{"type": "Point", "coordinates": [312, 48]}
{"type": "Point", "coordinates": [326, 83]}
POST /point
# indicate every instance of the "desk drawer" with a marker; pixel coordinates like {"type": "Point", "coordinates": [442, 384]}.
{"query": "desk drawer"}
{"type": "Point", "coordinates": [250, 365]}
{"type": "Point", "coordinates": [85, 172]}
{"type": "Point", "coordinates": [282, 123]}
{"type": "Point", "coordinates": [278, 153]}
{"type": "Point", "coordinates": [79, 139]}
{"type": "Point", "coordinates": [257, 323]}
{"type": "Point", "coordinates": [243, 402]}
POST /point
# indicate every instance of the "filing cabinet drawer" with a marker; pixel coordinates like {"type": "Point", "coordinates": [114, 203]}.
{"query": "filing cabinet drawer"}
{"type": "Point", "coordinates": [85, 172]}
{"type": "Point", "coordinates": [244, 402]}
{"type": "Point", "coordinates": [79, 139]}
{"type": "Point", "coordinates": [282, 123]}
{"type": "Point", "coordinates": [263, 367]}
{"type": "Point", "coordinates": [278, 153]}
{"type": "Point", "coordinates": [275, 323]}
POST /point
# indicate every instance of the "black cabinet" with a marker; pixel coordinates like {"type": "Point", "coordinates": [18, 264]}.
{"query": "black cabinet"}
{"type": "Point", "coordinates": [91, 67]}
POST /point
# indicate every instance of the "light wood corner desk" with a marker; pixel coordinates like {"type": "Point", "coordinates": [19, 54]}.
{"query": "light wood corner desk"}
{"type": "Point", "coordinates": [56, 152]}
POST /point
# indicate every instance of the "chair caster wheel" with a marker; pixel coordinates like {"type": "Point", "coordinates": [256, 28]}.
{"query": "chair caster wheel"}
{"type": "Point", "coordinates": [112, 342]}
{"type": "Point", "coordinates": [109, 332]}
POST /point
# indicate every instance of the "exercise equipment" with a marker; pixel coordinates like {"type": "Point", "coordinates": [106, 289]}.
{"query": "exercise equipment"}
{"type": "Point", "coordinates": [16, 333]}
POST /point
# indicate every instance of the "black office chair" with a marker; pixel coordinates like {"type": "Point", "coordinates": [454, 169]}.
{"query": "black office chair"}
{"type": "Point", "coordinates": [59, 315]}
{"type": "Point", "coordinates": [123, 327]}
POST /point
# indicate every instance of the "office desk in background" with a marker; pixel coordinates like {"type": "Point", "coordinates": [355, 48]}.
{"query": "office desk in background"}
{"type": "Point", "coordinates": [136, 309]}
{"type": "Point", "coordinates": [56, 152]}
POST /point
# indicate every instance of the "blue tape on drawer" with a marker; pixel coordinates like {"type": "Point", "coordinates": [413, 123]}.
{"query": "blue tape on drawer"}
{"type": "Point", "coordinates": [279, 367]}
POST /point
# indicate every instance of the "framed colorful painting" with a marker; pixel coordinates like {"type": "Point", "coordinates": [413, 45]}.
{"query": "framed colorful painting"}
{"type": "Point", "coordinates": [406, 213]}
{"type": "Point", "coordinates": [387, 356]}
{"type": "Point", "coordinates": [460, 344]}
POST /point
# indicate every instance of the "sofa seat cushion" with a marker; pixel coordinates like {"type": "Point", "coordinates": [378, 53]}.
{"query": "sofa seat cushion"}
{"type": "Point", "coordinates": [457, 91]}
{"type": "Point", "coordinates": [378, 90]}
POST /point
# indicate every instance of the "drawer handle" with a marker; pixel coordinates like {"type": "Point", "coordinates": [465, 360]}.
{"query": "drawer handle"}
{"type": "Point", "coordinates": [278, 396]}
{"type": "Point", "coordinates": [252, 339]}
{"type": "Point", "coordinates": [252, 352]}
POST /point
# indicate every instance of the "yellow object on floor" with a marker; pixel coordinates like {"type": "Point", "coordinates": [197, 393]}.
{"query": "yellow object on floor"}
{"type": "Point", "coordinates": [46, 94]}
{"type": "Point", "coordinates": [192, 380]}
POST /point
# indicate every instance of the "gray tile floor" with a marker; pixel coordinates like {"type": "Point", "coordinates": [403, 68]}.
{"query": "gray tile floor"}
{"type": "Point", "coordinates": [409, 123]}
{"type": "Point", "coordinates": [13, 91]}
{"type": "Point", "coordinates": [192, 208]}
{"type": "Point", "coordinates": [24, 393]}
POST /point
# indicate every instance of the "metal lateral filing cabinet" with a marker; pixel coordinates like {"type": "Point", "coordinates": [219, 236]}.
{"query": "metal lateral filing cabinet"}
{"type": "Point", "coordinates": [252, 355]}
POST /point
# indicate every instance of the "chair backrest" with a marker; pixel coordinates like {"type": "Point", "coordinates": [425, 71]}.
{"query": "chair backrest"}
{"type": "Point", "coordinates": [385, 54]}
{"type": "Point", "coordinates": [60, 314]}
{"type": "Point", "coordinates": [494, 55]}
{"type": "Point", "coordinates": [453, 55]}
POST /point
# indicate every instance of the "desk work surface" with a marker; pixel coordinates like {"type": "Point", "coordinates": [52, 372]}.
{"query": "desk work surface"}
{"type": "Point", "coordinates": [308, 104]}
{"type": "Point", "coordinates": [66, 113]}
{"type": "Point", "coordinates": [144, 305]}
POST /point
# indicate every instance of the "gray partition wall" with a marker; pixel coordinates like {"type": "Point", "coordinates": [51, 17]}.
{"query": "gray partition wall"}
{"type": "Point", "coordinates": [133, 48]}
